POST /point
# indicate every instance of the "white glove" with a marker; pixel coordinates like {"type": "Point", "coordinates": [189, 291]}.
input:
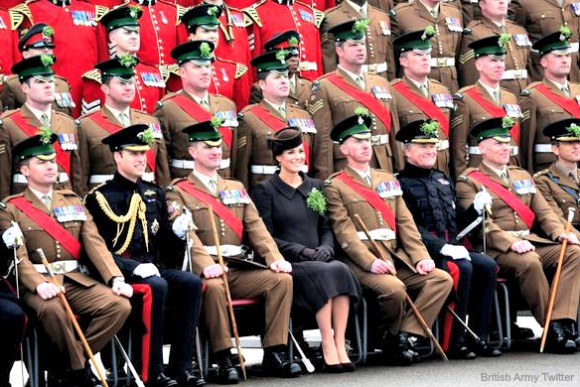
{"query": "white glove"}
{"type": "Point", "coordinates": [13, 237]}
{"type": "Point", "coordinates": [455, 252]}
{"type": "Point", "coordinates": [182, 224]}
{"type": "Point", "coordinates": [146, 270]}
{"type": "Point", "coordinates": [482, 199]}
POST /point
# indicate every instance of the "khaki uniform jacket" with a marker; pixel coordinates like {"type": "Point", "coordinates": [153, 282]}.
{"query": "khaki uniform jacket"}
{"type": "Point", "coordinates": [560, 191]}
{"type": "Point", "coordinates": [539, 111]}
{"type": "Point", "coordinates": [13, 97]}
{"type": "Point", "coordinates": [11, 134]}
{"type": "Point", "coordinates": [173, 119]}
{"type": "Point", "coordinates": [255, 232]}
{"type": "Point", "coordinates": [384, 5]}
{"type": "Point", "coordinates": [300, 97]}
{"type": "Point", "coordinates": [329, 105]}
{"type": "Point", "coordinates": [541, 17]}
{"type": "Point", "coordinates": [344, 202]}
{"type": "Point", "coordinates": [517, 57]}
{"type": "Point", "coordinates": [409, 112]}
{"type": "Point", "coordinates": [467, 114]}
{"type": "Point", "coordinates": [379, 41]}
{"type": "Point", "coordinates": [97, 159]}
{"type": "Point", "coordinates": [253, 136]}
{"type": "Point", "coordinates": [503, 217]}
{"type": "Point", "coordinates": [414, 16]}
{"type": "Point", "coordinates": [36, 237]}
{"type": "Point", "coordinates": [470, 10]}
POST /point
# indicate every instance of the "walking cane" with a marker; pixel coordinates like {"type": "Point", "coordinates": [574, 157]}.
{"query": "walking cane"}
{"type": "Point", "coordinates": [228, 294]}
{"type": "Point", "coordinates": [464, 325]}
{"type": "Point", "coordinates": [72, 319]}
{"type": "Point", "coordinates": [556, 280]}
{"type": "Point", "coordinates": [134, 372]}
{"type": "Point", "coordinates": [407, 298]}
{"type": "Point", "coordinates": [305, 360]}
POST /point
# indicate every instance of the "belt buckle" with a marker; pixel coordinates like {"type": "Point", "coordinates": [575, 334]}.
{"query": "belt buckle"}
{"type": "Point", "coordinates": [441, 62]}
{"type": "Point", "coordinates": [372, 68]}
{"type": "Point", "coordinates": [57, 267]}
{"type": "Point", "coordinates": [375, 140]}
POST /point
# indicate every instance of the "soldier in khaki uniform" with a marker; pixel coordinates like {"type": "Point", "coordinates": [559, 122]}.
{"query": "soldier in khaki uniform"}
{"type": "Point", "coordinates": [419, 97]}
{"type": "Point", "coordinates": [559, 183]}
{"type": "Point", "coordinates": [494, 22]}
{"type": "Point", "coordinates": [254, 161]}
{"type": "Point", "coordinates": [514, 206]}
{"type": "Point", "coordinates": [447, 21]}
{"type": "Point", "coordinates": [299, 87]}
{"type": "Point", "coordinates": [471, 11]}
{"type": "Point", "coordinates": [118, 87]}
{"type": "Point", "coordinates": [552, 99]}
{"type": "Point", "coordinates": [57, 222]}
{"type": "Point", "coordinates": [38, 40]}
{"type": "Point", "coordinates": [541, 17]}
{"type": "Point", "coordinates": [194, 104]}
{"type": "Point", "coordinates": [337, 95]}
{"type": "Point", "coordinates": [403, 261]}
{"type": "Point", "coordinates": [380, 53]}
{"type": "Point", "coordinates": [238, 220]}
{"type": "Point", "coordinates": [37, 80]}
{"type": "Point", "coordinates": [485, 99]}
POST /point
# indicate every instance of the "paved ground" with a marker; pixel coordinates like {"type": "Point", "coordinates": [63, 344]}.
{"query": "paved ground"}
{"type": "Point", "coordinates": [518, 368]}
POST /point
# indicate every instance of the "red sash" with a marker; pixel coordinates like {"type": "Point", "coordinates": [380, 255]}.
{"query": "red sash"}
{"type": "Point", "coordinates": [508, 197]}
{"type": "Point", "coordinates": [49, 225]}
{"type": "Point", "coordinates": [427, 106]}
{"type": "Point", "coordinates": [276, 124]}
{"type": "Point", "coordinates": [495, 111]}
{"type": "Point", "coordinates": [200, 114]}
{"type": "Point", "coordinates": [372, 198]}
{"type": "Point", "coordinates": [381, 113]}
{"type": "Point", "coordinates": [218, 207]}
{"type": "Point", "coordinates": [100, 119]}
{"type": "Point", "coordinates": [568, 104]}
{"type": "Point", "coordinates": [62, 157]}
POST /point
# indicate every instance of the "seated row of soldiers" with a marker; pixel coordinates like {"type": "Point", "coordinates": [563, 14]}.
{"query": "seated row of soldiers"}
{"type": "Point", "coordinates": [125, 230]}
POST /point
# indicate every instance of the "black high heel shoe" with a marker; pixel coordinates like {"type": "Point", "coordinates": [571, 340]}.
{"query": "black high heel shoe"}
{"type": "Point", "coordinates": [348, 367]}
{"type": "Point", "coordinates": [331, 368]}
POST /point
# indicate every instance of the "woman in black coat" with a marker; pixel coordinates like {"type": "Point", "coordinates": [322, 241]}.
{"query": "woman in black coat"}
{"type": "Point", "coordinates": [293, 208]}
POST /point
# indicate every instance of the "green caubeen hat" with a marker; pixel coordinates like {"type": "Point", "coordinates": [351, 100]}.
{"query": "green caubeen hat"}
{"type": "Point", "coordinates": [206, 131]}
{"type": "Point", "coordinates": [563, 130]}
{"type": "Point", "coordinates": [275, 60]}
{"type": "Point", "coordinates": [497, 128]}
{"type": "Point", "coordinates": [135, 138]}
{"type": "Point", "coordinates": [492, 45]}
{"type": "Point", "coordinates": [126, 17]}
{"type": "Point", "coordinates": [206, 15]}
{"type": "Point", "coordinates": [419, 131]}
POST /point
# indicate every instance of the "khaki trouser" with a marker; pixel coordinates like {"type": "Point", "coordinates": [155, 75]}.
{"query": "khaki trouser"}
{"type": "Point", "coordinates": [274, 288]}
{"type": "Point", "coordinates": [390, 290]}
{"type": "Point", "coordinates": [105, 312]}
{"type": "Point", "coordinates": [528, 269]}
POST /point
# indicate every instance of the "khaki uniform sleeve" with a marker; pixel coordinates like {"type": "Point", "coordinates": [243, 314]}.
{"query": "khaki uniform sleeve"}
{"type": "Point", "coordinates": [458, 132]}
{"type": "Point", "coordinates": [323, 150]}
{"type": "Point", "coordinates": [243, 149]}
{"type": "Point", "coordinates": [84, 150]}
{"type": "Point", "coordinates": [528, 131]}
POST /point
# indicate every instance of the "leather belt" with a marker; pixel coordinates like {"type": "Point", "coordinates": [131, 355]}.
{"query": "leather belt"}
{"type": "Point", "coordinates": [375, 68]}
{"type": "Point", "coordinates": [226, 250]}
{"type": "Point", "coordinates": [379, 234]}
{"type": "Point", "coordinates": [443, 62]}
{"type": "Point", "coordinates": [515, 74]}
{"type": "Point", "coordinates": [442, 145]}
{"type": "Point", "coordinates": [543, 148]}
{"type": "Point", "coordinates": [58, 267]}
{"type": "Point", "coordinates": [19, 178]}
{"type": "Point", "coordinates": [188, 164]}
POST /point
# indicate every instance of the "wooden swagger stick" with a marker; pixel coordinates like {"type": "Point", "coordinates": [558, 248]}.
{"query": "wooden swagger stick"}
{"type": "Point", "coordinates": [408, 300]}
{"type": "Point", "coordinates": [556, 280]}
{"type": "Point", "coordinates": [73, 320]}
{"type": "Point", "coordinates": [216, 241]}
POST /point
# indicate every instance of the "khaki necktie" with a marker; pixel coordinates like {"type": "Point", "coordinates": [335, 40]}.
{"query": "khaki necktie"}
{"type": "Point", "coordinates": [204, 104]}
{"type": "Point", "coordinates": [566, 90]}
{"type": "Point", "coordinates": [293, 85]}
{"type": "Point", "coordinates": [44, 120]}
{"type": "Point", "coordinates": [505, 177]}
{"type": "Point", "coordinates": [213, 186]}
{"type": "Point", "coordinates": [368, 180]}
{"type": "Point", "coordinates": [124, 119]}
{"type": "Point", "coordinates": [360, 81]}
{"type": "Point", "coordinates": [47, 201]}
{"type": "Point", "coordinates": [282, 110]}
{"type": "Point", "coordinates": [424, 90]}
{"type": "Point", "coordinates": [560, 2]}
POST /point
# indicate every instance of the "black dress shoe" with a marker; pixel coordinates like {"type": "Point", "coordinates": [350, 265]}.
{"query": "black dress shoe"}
{"type": "Point", "coordinates": [521, 333]}
{"type": "Point", "coordinates": [572, 332]}
{"type": "Point", "coordinates": [461, 352]}
{"type": "Point", "coordinates": [277, 363]}
{"type": "Point", "coordinates": [186, 378]}
{"type": "Point", "coordinates": [163, 380]}
{"type": "Point", "coordinates": [483, 349]}
{"type": "Point", "coordinates": [226, 372]}
{"type": "Point", "coordinates": [348, 367]}
{"type": "Point", "coordinates": [398, 349]}
{"type": "Point", "coordinates": [557, 341]}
